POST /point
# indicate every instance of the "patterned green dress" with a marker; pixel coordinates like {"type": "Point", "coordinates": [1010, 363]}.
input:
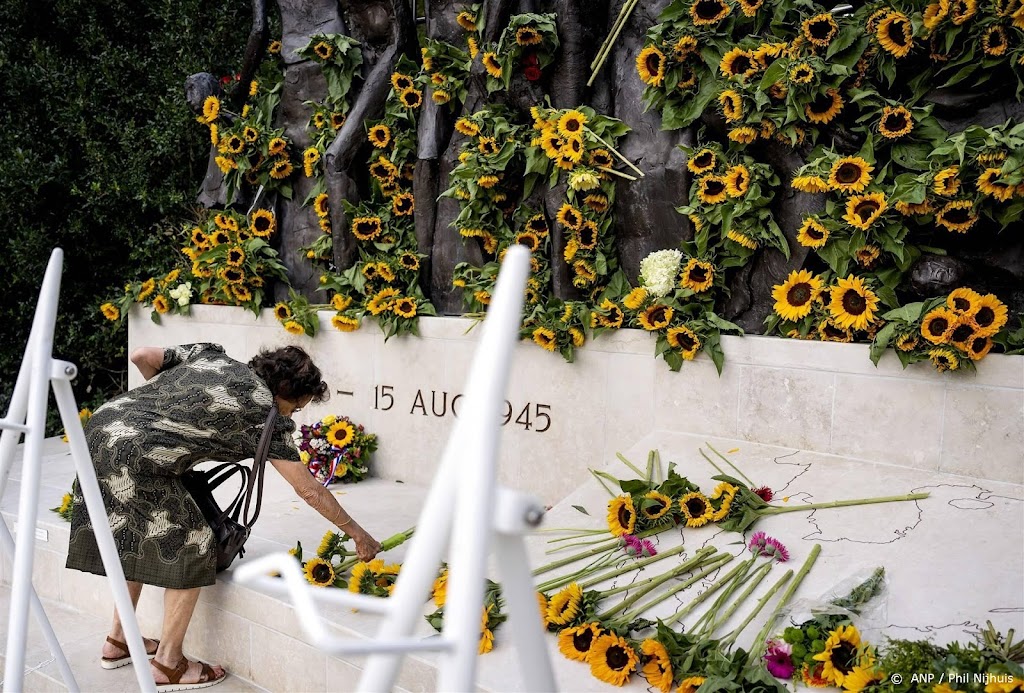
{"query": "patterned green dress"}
{"type": "Point", "coordinates": [201, 406]}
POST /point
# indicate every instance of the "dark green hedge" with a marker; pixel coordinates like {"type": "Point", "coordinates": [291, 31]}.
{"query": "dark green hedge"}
{"type": "Point", "coordinates": [99, 155]}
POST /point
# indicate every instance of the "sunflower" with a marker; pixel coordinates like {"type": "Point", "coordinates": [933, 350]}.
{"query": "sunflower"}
{"type": "Point", "coordinates": [713, 189]}
{"type": "Point", "coordinates": [989, 184]}
{"type": "Point", "coordinates": [895, 34]}
{"type": "Point", "coordinates": [657, 665]}
{"type": "Point", "coordinates": [319, 572]}
{"type": "Point", "coordinates": [440, 96]}
{"type": "Point", "coordinates": [750, 7]}
{"type": "Point", "coordinates": [824, 108]}
{"type": "Point", "coordinates": [841, 654]}
{"type": "Point", "coordinates": [576, 336]}
{"type": "Point", "coordinates": [232, 144]}
{"type": "Point", "coordinates": [411, 98]}
{"type": "Point", "coordinates": [573, 151]}
{"type": "Point", "coordinates": [345, 323]}
{"type": "Point", "coordinates": [895, 122]}
{"type": "Point", "coordinates": [601, 158]}
{"type": "Point", "coordinates": [281, 169]}
{"type": "Point", "coordinates": [862, 677]}
{"type": "Point", "coordinates": [963, 331]}
{"type": "Point", "coordinates": [403, 204]}
{"type": "Point", "coordinates": [404, 307]}
{"type": "Point", "coordinates": [380, 135]}
{"type": "Point", "coordinates": [696, 509]}
{"type": "Point", "coordinates": [912, 209]}
{"type": "Point", "coordinates": [621, 515]}
{"type": "Point", "coordinates": [990, 315]}
{"type": "Point", "coordinates": [934, 13]}
{"type": "Point", "coordinates": [794, 298]}
{"type": "Point", "coordinates": [110, 311]}
{"type": "Point", "coordinates": [635, 298]}
{"type": "Point", "coordinates": [906, 342]}
{"type": "Point", "coordinates": [282, 311]}
{"type": "Point", "coordinates": [467, 127]}
{"type": "Point", "coordinates": [340, 434]}
{"type": "Point", "coordinates": [655, 317]}
{"type": "Point", "coordinates": [612, 659]}
{"type": "Point", "coordinates": [366, 228]}
{"type": "Point", "coordinates": [743, 135]}
{"type": "Point", "coordinates": [820, 29]}
{"type": "Point", "coordinates": [963, 10]}
{"type": "Point", "coordinates": [809, 184]}
{"type": "Point", "coordinates": [655, 505]}
{"type": "Point", "coordinates": [978, 347]}
{"type": "Point", "coordinates": [236, 256]}
{"type": "Point", "coordinates": [545, 339]}
{"type": "Point", "coordinates": [732, 105]}
{"type": "Point", "coordinates": [538, 225]}
{"type": "Point", "coordinates": [706, 12]}
{"type": "Point", "coordinates": [737, 181]}
{"type": "Point", "coordinates": [382, 301]}
{"type": "Point", "coordinates": [703, 161]}
{"type": "Point", "coordinates": [944, 359]}
{"type": "Point", "coordinates": [852, 303]}
{"type": "Point", "coordinates": [492, 64]}
{"type": "Point", "coordinates": [684, 46]}
{"type": "Point", "coordinates": [867, 254]}
{"type": "Point", "coordinates": [801, 73]}
{"type": "Point", "coordinates": [232, 275]}
{"type": "Point", "coordinates": [575, 643]}
{"type": "Point", "coordinates": [947, 182]}
{"type": "Point", "coordinates": [738, 63]}
{"type": "Point", "coordinates": [994, 41]}
{"type": "Point", "coordinates": [572, 124]}
{"type": "Point", "coordinates": [528, 36]}
{"type": "Point", "coordinates": [160, 304]}
{"type": "Point", "coordinates": [587, 235]}
{"type": "Point", "coordinates": [219, 237]}
{"type": "Point", "coordinates": [690, 685]}
{"type": "Point", "coordinates": [778, 91]}
{"type": "Point", "coordinates": [850, 174]}
{"type": "Point", "coordinates": [864, 210]}
{"type": "Point", "coordinates": [528, 239]}
{"type": "Point", "coordinates": [963, 300]}
{"type": "Point", "coordinates": [958, 215]}
{"type": "Point", "coordinates": [569, 216]}
{"type": "Point", "coordinates": [742, 239]}
{"type": "Point", "coordinates": [937, 325]}
{"type": "Point", "coordinates": [812, 233]}
{"type": "Point", "coordinates": [340, 302]}
{"type": "Point", "coordinates": [564, 607]}
{"type": "Point", "coordinates": [585, 271]}
{"type": "Point", "coordinates": [727, 492]}
{"type": "Point", "coordinates": [650, 66]}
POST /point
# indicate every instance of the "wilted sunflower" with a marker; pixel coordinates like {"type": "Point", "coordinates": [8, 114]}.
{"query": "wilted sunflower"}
{"type": "Point", "coordinates": [588, 235]}
{"type": "Point", "coordinates": [110, 311]}
{"type": "Point", "coordinates": [812, 233]}
{"type": "Point", "coordinates": [319, 572]}
{"type": "Point", "coordinates": [382, 301]}
{"type": "Point", "coordinates": [684, 340]}
{"type": "Point", "coordinates": [282, 311]}
{"type": "Point", "coordinates": [657, 666]}
{"type": "Point", "coordinates": [703, 161]}
{"type": "Point", "coordinates": [655, 317]}
{"type": "Point", "coordinates": [864, 210]}
{"type": "Point", "coordinates": [564, 607]}
{"type": "Point", "coordinates": [684, 46]}
{"type": "Point", "coordinates": [963, 10]}
{"type": "Point", "coordinates": [650, 66]}
{"type": "Point", "coordinates": [706, 12]}
{"type": "Point", "coordinates": [906, 342]}
{"type": "Point", "coordinates": [635, 298]}
{"type": "Point", "coordinates": [696, 509]}
{"type": "Point", "coordinates": [944, 359]}
{"type": "Point", "coordinates": [621, 515]}
{"type": "Point", "coordinates": [820, 29]}
{"type": "Point", "coordinates": [801, 73]}
{"type": "Point", "coordinates": [612, 659]}
{"type": "Point", "coordinates": [528, 36]}
{"type": "Point", "coordinates": [989, 184]}
{"type": "Point", "coordinates": [896, 34]}
{"type": "Point", "coordinates": [958, 215]}
{"type": "Point", "coordinates": [411, 98]}
{"type": "Point", "coordinates": [778, 91]}
{"type": "Point", "coordinates": [576, 336]}
{"type": "Point", "coordinates": [575, 643]}
{"type": "Point", "coordinates": [712, 189]}
{"type": "Point", "coordinates": [697, 275]}
{"type": "Point", "coordinates": [809, 184]}
{"type": "Point", "coordinates": [853, 304]}
{"type": "Point", "coordinates": [867, 254]}
{"type": "Point", "coordinates": [937, 325]}
{"type": "Point", "coordinates": [963, 300]}
{"type": "Point", "coordinates": [380, 135]}
{"type": "Point", "coordinates": [824, 108]}
{"type": "Point", "coordinates": [750, 7]}
{"type": "Point", "coordinates": [737, 181]}
{"type": "Point", "coordinates": [466, 20]}
{"type": "Point", "coordinates": [828, 331]}
{"type": "Point", "coordinates": [366, 228]}
{"type": "Point", "coordinates": [743, 135]}
{"type": "Point", "coordinates": [934, 13]}
{"type": "Point", "coordinates": [601, 158]}
{"type": "Point", "coordinates": [990, 315]}
{"type": "Point", "coordinates": [732, 105]}
{"type": "Point", "coordinates": [545, 339]}
{"type": "Point", "coordinates": [947, 182]}
{"type": "Point", "coordinates": [403, 204]}
{"type": "Point", "coordinates": [492, 64]}
{"type": "Point", "coordinates": [978, 347]}
{"type": "Point", "coordinates": [850, 174]}
{"type": "Point", "coordinates": [584, 271]}
{"type": "Point", "coordinates": [742, 239]}
{"type": "Point", "coordinates": [569, 216]}
{"type": "Point", "coordinates": [738, 63]}
{"type": "Point", "coordinates": [895, 122]}
{"type": "Point", "coordinates": [994, 41]}
{"type": "Point", "coordinates": [794, 298]}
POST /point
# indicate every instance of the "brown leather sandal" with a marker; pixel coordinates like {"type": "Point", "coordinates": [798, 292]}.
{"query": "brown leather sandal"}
{"type": "Point", "coordinates": [126, 658]}
{"type": "Point", "coordinates": [206, 677]}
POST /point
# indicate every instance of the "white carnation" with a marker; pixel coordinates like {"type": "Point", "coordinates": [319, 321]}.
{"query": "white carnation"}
{"type": "Point", "coordinates": [658, 271]}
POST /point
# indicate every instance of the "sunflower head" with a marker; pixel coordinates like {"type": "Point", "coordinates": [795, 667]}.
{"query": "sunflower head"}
{"type": "Point", "coordinates": [895, 34]}
{"type": "Point", "coordinates": [852, 304]}
{"type": "Point", "coordinates": [319, 572]}
{"type": "Point", "coordinates": [612, 659]}
{"type": "Point", "coordinates": [820, 29]}
{"type": "Point", "coordinates": [565, 605]}
{"type": "Point", "coordinates": [841, 654]}
{"type": "Point", "coordinates": [708, 12]}
{"type": "Point", "coordinates": [575, 643]}
{"type": "Point", "coordinates": [957, 215]}
{"type": "Point", "coordinates": [657, 665]}
{"type": "Point", "coordinates": [812, 233]}
{"type": "Point", "coordinates": [738, 63]}
{"type": "Point", "coordinates": [712, 189]}
{"type": "Point", "coordinates": [696, 509]}
{"type": "Point", "coordinates": [990, 315]}
{"type": "Point", "coordinates": [650, 66]}
{"type": "Point", "coordinates": [895, 122]}
{"type": "Point", "coordinates": [702, 162]}
{"type": "Point", "coordinates": [824, 108]}
{"type": "Point", "coordinates": [621, 515]}
{"type": "Point", "coordinates": [864, 210]}
{"type": "Point", "coordinates": [795, 297]}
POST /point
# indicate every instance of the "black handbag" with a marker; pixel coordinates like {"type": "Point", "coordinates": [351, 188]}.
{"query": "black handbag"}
{"type": "Point", "coordinates": [231, 526]}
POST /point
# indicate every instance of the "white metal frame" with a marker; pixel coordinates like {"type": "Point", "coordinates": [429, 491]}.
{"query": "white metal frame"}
{"type": "Point", "coordinates": [27, 415]}
{"type": "Point", "coordinates": [466, 507]}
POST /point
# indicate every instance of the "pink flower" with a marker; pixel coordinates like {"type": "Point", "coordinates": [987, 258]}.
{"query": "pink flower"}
{"type": "Point", "coordinates": [778, 660]}
{"type": "Point", "coordinates": [648, 548]}
{"type": "Point", "coordinates": [764, 545]}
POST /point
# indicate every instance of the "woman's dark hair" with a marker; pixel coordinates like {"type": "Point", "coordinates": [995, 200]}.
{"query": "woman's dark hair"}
{"type": "Point", "coordinates": [290, 373]}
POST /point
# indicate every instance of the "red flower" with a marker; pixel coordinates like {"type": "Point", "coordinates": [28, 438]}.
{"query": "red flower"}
{"type": "Point", "coordinates": [765, 494]}
{"type": "Point", "coordinates": [532, 73]}
{"type": "Point", "coordinates": [530, 59]}
{"type": "Point", "coordinates": [225, 79]}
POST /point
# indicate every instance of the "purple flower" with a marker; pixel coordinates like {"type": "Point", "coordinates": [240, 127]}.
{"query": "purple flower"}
{"type": "Point", "coordinates": [778, 660]}
{"type": "Point", "coordinates": [632, 545]}
{"type": "Point", "coordinates": [647, 548]}
{"type": "Point", "coordinates": [757, 541]}
{"type": "Point", "coordinates": [763, 545]}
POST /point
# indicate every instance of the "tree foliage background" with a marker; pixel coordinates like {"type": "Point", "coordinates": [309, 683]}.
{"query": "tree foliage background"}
{"type": "Point", "coordinates": [101, 157]}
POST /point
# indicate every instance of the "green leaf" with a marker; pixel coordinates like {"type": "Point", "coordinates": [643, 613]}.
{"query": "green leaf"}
{"type": "Point", "coordinates": [581, 509]}
{"type": "Point", "coordinates": [908, 313]}
{"type": "Point", "coordinates": [881, 342]}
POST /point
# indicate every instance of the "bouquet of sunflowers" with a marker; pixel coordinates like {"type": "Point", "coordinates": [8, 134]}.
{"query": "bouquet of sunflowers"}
{"type": "Point", "coordinates": [336, 449]}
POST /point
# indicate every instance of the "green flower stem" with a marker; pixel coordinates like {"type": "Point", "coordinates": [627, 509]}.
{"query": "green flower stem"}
{"type": "Point", "coordinates": [656, 582]}
{"type": "Point", "coordinates": [614, 151]}
{"type": "Point", "coordinates": [391, 542]}
{"type": "Point", "coordinates": [712, 565]}
{"type": "Point", "coordinates": [633, 566]}
{"type": "Point", "coordinates": [646, 533]}
{"type": "Point", "coordinates": [755, 579]}
{"type": "Point", "coordinates": [712, 462]}
{"type": "Point", "coordinates": [618, 20]}
{"type": "Point", "coordinates": [632, 466]}
{"type": "Point", "coordinates": [757, 647]}
{"type": "Point", "coordinates": [581, 531]}
{"type": "Point", "coordinates": [649, 476]}
{"type": "Point", "coordinates": [600, 481]}
{"type": "Point", "coordinates": [715, 586]}
{"type": "Point", "coordinates": [603, 548]}
{"type": "Point", "coordinates": [620, 174]}
{"type": "Point", "coordinates": [778, 510]}
{"type": "Point", "coordinates": [709, 615]}
{"type": "Point", "coordinates": [658, 476]}
{"type": "Point", "coordinates": [626, 11]}
{"type": "Point", "coordinates": [594, 566]}
{"type": "Point", "coordinates": [729, 462]}
{"type": "Point", "coordinates": [730, 639]}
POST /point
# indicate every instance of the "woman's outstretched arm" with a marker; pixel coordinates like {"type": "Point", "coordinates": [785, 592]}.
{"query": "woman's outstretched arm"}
{"type": "Point", "coordinates": [149, 360]}
{"type": "Point", "coordinates": [324, 502]}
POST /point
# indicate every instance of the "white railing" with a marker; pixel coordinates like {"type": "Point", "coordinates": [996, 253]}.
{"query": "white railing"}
{"type": "Point", "coordinates": [466, 513]}
{"type": "Point", "coordinates": [27, 416]}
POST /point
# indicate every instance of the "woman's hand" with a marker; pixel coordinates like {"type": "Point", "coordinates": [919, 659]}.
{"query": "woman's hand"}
{"type": "Point", "coordinates": [366, 546]}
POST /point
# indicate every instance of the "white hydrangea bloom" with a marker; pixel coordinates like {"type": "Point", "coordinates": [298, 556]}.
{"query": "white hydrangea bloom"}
{"type": "Point", "coordinates": [658, 271]}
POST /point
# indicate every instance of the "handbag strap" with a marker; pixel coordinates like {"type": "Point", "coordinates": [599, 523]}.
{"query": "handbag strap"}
{"type": "Point", "coordinates": [258, 467]}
